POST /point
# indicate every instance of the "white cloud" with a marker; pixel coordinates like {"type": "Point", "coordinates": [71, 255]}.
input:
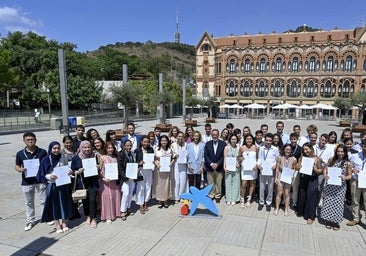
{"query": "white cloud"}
{"type": "Point", "coordinates": [15, 16]}
{"type": "Point", "coordinates": [21, 29]}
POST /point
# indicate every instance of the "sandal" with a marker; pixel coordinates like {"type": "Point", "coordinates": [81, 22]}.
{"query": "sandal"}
{"type": "Point", "coordinates": [328, 227]}
{"type": "Point", "coordinates": [309, 221]}
{"type": "Point", "coordinates": [142, 210]}
{"type": "Point", "coordinates": [248, 203]}
{"type": "Point", "coordinates": [336, 228]}
{"type": "Point", "coordinates": [65, 227]}
{"type": "Point", "coordinates": [59, 231]}
{"type": "Point", "coordinates": [87, 222]}
{"type": "Point", "coordinates": [275, 212]}
{"type": "Point", "coordinates": [123, 216]}
{"type": "Point", "coordinates": [93, 223]}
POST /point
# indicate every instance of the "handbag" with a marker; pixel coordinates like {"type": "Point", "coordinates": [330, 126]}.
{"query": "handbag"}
{"type": "Point", "coordinates": [78, 194]}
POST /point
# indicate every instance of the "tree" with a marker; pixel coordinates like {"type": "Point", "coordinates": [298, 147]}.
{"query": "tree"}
{"type": "Point", "coordinates": [164, 98]}
{"type": "Point", "coordinates": [359, 100]}
{"type": "Point", "coordinates": [192, 102]}
{"type": "Point", "coordinates": [343, 104]}
{"type": "Point", "coordinates": [128, 95]}
{"type": "Point", "coordinates": [210, 103]}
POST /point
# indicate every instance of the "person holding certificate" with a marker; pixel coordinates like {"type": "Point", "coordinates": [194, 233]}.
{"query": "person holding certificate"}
{"type": "Point", "coordinates": [125, 157]}
{"type": "Point", "coordinates": [89, 182]}
{"type": "Point", "coordinates": [285, 169]}
{"type": "Point", "coordinates": [179, 148]}
{"type": "Point", "coordinates": [195, 160]}
{"type": "Point", "coordinates": [163, 175]}
{"type": "Point", "coordinates": [110, 191]}
{"type": "Point", "coordinates": [248, 156]}
{"type": "Point", "coordinates": [145, 160]}
{"type": "Point", "coordinates": [231, 168]}
{"type": "Point", "coordinates": [334, 195]}
{"type": "Point", "coordinates": [59, 204]}
{"type": "Point", "coordinates": [30, 157]}
{"type": "Point", "coordinates": [308, 186]}
{"type": "Point", "coordinates": [267, 156]}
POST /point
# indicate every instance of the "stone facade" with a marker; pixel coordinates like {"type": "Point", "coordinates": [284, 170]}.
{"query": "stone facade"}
{"type": "Point", "coordinates": [297, 68]}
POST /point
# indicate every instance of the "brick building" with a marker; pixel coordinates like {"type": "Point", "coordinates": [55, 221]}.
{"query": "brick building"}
{"type": "Point", "coordinates": [296, 68]}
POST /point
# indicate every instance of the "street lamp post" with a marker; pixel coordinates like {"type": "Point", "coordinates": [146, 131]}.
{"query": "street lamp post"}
{"type": "Point", "coordinates": [49, 102]}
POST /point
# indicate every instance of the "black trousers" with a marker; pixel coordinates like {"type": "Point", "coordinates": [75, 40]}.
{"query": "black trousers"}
{"type": "Point", "coordinates": [194, 180]}
{"type": "Point", "coordinates": [308, 196]}
{"type": "Point", "coordinates": [90, 203]}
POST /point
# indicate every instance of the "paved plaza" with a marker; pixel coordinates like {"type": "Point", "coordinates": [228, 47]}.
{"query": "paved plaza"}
{"type": "Point", "coordinates": [162, 231]}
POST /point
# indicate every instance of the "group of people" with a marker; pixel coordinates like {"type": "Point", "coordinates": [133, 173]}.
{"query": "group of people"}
{"type": "Point", "coordinates": [291, 169]}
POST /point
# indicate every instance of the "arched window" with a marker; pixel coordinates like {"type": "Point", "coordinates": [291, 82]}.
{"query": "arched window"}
{"type": "Point", "coordinates": [330, 64]}
{"type": "Point", "coordinates": [262, 67]}
{"type": "Point", "coordinates": [293, 89]}
{"type": "Point", "coordinates": [277, 90]}
{"type": "Point", "coordinates": [246, 89]}
{"type": "Point", "coordinates": [261, 90]}
{"type": "Point", "coordinates": [206, 47]}
{"type": "Point", "coordinates": [231, 88]}
{"type": "Point", "coordinates": [312, 64]}
{"type": "Point", "coordinates": [327, 90]}
{"type": "Point", "coordinates": [295, 65]}
{"type": "Point", "coordinates": [348, 66]}
{"type": "Point", "coordinates": [247, 66]}
{"type": "Point", "coordinates": [278, 65]}
{"type": "Point", "coordinates": [364, 65]}
{"type": "Point", "coordinates": [232, 66]}
{"type": "Point", "coordinates": [310, 90]}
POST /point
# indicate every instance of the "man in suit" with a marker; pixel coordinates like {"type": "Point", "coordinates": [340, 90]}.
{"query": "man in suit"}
{"type": "Point", "coordinates": [214, 160]}
{"type": "Point", "coordinates": [132, 136]}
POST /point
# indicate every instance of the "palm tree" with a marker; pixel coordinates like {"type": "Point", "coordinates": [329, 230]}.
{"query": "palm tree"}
{"type": "Point", "coordinates": [164, 98]}
{"type": "Point", "coordinates": [210, 103]}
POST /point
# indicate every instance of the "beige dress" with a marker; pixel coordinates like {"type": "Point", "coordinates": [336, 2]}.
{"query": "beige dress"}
{"type": "Point", "coordinates": [163, 181]}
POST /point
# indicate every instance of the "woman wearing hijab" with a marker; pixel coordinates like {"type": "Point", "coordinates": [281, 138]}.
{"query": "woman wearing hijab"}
{"type": "Point", "coordinates": [58, 206]}
{"type": "Point", "coordinates": [90, 183]}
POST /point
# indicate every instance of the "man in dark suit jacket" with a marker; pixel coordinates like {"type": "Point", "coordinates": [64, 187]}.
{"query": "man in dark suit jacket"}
{"type": "Point", "coordinates": [132, 136]}
{"type": "Point", "coordinates": [214, 160]}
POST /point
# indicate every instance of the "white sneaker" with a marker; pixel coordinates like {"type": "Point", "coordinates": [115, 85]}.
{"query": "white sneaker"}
{"type": "Point", "coordinates": [29, 226]}
{"type": "Point", "coordinates": [50, 223]}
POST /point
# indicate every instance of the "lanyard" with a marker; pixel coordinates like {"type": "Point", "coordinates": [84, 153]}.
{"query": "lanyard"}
{"type": "Point", "coordinates": [34, 157]}
{"type": "Point", "coordinates": [264, 154]}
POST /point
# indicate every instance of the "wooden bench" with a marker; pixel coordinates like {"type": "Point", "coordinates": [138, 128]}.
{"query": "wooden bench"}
{"type": "Point", "coordinates": [359, 128]}
{"type": "Point", "coordinates": [345, 123]}
{"type": "Point", "coordinates": [120, 133]}
{"type": "Point", "coordinates": [192, 123]}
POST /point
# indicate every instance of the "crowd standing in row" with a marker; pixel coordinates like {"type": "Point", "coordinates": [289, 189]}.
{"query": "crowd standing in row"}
{"type": "Point", "coordinates": [239, 163]}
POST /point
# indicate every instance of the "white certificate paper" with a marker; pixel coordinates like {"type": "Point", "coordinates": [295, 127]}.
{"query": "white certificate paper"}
{"type": "Point", "coordinates": [111, 171]}
{"type": "Point", "coordinates": [362, 179]}
{"type": "Point", "coordinates": [267, 168]}
{"type": "Point", "coordinates": [148, 159]}
{"type": "Point", "coordinates": [249, 161]}
{"type": "Point", "coordinates": [334, 174]}
{"type": "Point", "coordinates": [307, 164]}
{"type": "Point", "coordinates": [165, 164]}
{"type": "Point", "coordinates": [63, 177]}
{"type": "Point", "coordinates": [182, 159]}
{"type": "Point", "coordinates": [131, 170]}
{"type": "Point", "coordinates": [286, 175]}
{"type": "Point", "coordinates": [31, 166]}
{"type": "Point", "coordinates": [231, 163]}
{"type": "Point", "coordinates": [90, 167]}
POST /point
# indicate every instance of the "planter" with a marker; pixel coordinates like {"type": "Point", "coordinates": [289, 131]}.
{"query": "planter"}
{"type": "Point", "coordinates": [164, 127]}
{"type": "Point", "coordinates": [191, 123]}
{"type": "Point", "coordinates": [359, 128]}
{"type": "Point", "coordinates": [345, 123]}
{"type": "Point", "coordinates": [210, 120]}
{"type": "Point", "coordinates": [120, 133]}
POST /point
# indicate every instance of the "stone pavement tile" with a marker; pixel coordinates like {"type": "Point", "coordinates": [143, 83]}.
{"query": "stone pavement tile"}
{"type": "Point", "coordinates": [11, 250]}
{"type": "Point", "coordinates": [221, 249]}
{"type": "Point", "coordinates": [197, 227]}
{"type": "Point", "coordinates": [241, 231]}
{"type": "Point", "coordinates": [286, 238]}
{"type": "Point", "coordinates": [251, 211]}
{"type": "Point", "coordinates": [341, 242]}
{"type": "Point", "coordinates": [181, 244]}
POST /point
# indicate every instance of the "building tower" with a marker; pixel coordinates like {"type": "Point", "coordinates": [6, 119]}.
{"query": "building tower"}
{"type": "Point", "coordinates": [177, 34]}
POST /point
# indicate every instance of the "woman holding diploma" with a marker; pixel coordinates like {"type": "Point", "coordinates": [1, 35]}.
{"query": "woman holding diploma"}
{"type": "Point", "coordinates": [110, 191]}
{"type": "Point", "coordinates": [58, 206]}
{"type": "Point", "coordinates": [125, 156]}
{"type": "Point", "coordinates": [334, 195]}
{"type": "Point", "coordinates": [285, 165]}
{"type": "Point", "coordinates": [232, 174]}
{"type": "Point", "coordinates": [248, 156]}
{"type": "Point", "coordinates": [143, 191]}
{"type": "Point", "coordinates": [195, 160]}
{"type": "Point", "coordinates": [162, 183]}
{"type": "Point", "coordinates": [179, 148]}
{"type": "Point", "coordinates": [88, 176]}
{"type": "Point", "coordinates": [308, 186]}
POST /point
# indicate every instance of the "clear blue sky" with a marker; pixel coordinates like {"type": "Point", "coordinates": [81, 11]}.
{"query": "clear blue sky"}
{"type": "Point", "coordinates": [91, 24]}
